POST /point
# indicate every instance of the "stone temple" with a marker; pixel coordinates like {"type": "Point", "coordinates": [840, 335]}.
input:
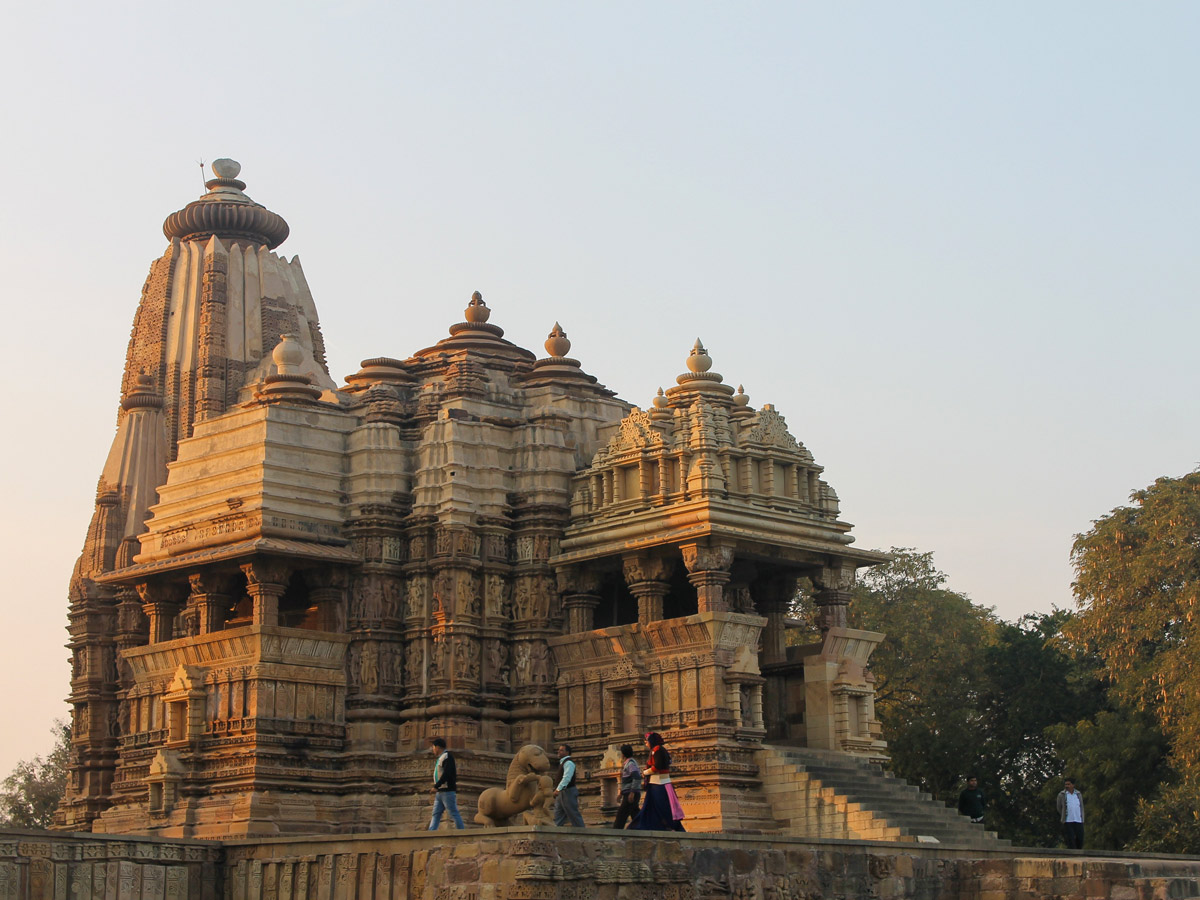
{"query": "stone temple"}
{"type": "Point", "coordinates": [288, 584]}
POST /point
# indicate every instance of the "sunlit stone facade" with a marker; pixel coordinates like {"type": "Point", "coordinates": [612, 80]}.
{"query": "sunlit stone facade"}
{"type": "Point", "coordinates": [288, 585]}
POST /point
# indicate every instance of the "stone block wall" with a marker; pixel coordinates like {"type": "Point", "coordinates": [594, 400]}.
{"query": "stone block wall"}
{"type": "Point", "coordinates": [525, 863]}
{"type": "Point", "coordinates": [37, 865]}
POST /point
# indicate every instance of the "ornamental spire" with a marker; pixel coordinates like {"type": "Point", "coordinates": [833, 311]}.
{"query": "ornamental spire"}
{"type": "Point", "coordinates": [227, 212]}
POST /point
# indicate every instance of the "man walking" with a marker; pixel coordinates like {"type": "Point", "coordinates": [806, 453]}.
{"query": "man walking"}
{"type": "Point", "coordinates": [445, 785]}
{"type": "Point", "coordinates": [1070, 813]}
{"type": "Point", "coordinates": [566, 795]}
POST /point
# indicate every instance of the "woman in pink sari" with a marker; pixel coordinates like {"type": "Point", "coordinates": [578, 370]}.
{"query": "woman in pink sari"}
{"type": "Point", "coordinates": [660, 810]}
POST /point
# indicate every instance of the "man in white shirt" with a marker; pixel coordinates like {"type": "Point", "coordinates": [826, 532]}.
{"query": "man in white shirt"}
{"type": "Point", "coordinates": [566, 794]}
{"type": "Point", "coordinates": [1070, 813]}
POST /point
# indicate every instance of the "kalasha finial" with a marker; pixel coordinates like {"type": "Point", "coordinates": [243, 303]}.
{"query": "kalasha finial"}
{"type": "Point", "coordinates": [142, 392]}
{"type": "Point", "coordinates": [698, 360]}
{"type": "Point", "coordinates": [477, 311]}
{"type": "Point", "coordinates": [660, 400]}
{"type": "Point", "coordinates": [741, 398]}
{"type": "Point", "coordinates": [557, 344]}
{"type": "Point", "coordinates": [226, 168]}
{"type": "Point", "coordinates": [288, 354]}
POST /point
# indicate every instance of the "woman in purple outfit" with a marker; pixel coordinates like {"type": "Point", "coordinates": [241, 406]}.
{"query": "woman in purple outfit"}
{"type": "Point", "coordinates": [660, 810]}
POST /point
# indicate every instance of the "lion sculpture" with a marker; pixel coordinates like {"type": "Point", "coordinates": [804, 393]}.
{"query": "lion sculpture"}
{"type": "Point", "coordinates": [529, 790]}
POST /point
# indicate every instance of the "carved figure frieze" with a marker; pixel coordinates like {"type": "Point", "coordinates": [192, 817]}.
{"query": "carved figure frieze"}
{"type": "Point", "coordinates": [497, 591]}
{"type": "Point", "coordinates": [497, 657]}
{"type": "Point", "coordinates": [522, 600]}
{"type": "Point", "coordinates": [541, 665]}
{"type": "Point", "coordinates": [467, 598]}
{"type": "Point", "coordinates": [466, 659]}
{"type": "Point", "coordinates": [393, 598]}
{"type": "Point", "coordinates": [366, 600]}
{"type": "Point", "coordinates": [438, 664]}
{"type": "Point", "coordinates": [413, 664]}
{"type": "Point", "coordinates": [443, 586]}
{"type": "Point", "coordinates": [417, 591]}
{"type": "Point", "coordinates": [368, 668]}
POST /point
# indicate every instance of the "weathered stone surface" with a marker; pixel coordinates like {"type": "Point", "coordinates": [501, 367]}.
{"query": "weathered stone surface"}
{"type": "Point", "coordinates": [467, 541]}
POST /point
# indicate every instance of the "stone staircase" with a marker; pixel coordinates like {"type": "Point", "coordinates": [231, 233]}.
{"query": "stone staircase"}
{"type": "Point", "coordinates": [821, 794]}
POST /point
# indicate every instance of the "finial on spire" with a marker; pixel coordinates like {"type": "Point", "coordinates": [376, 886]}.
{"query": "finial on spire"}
{"type": "Point", "coordinates": [226, 211]}
{"type": "Point", "coordinates": [141, 393]}
{"type": "Point", "coordinates": [698, 360]}
{"type": "Point", "coordinates": [557, 344]}
{"type": "Point", "coordinates": [288, 354]}
{"type": "Point", "coordinates": [226, 168]}
{"type": "Point", "coordinates": [477, 311]}
{"type": "Point", "coordinates": [660, 400]}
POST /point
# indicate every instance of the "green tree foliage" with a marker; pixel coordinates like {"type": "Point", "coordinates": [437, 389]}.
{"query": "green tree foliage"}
{"type": "Point", "coordinates": [32, 790]}
{"type": "Point", "coordinates": [927, 669]}
{"type": "Point", "coordinates": [1116, 758]}
{"type": "Point", "coordinates": [959, 692]}
{"type": "Point", "coordinates": [1138, 583]}
{"type": "Point", "coordinates": [1028, 683]}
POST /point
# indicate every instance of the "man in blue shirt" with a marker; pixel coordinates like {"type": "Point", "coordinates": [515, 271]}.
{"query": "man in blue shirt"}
{"type": "Point", "coordinates": [566, 794]}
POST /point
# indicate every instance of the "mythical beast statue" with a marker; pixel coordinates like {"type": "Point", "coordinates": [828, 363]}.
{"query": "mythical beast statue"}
{"type": "Point", "coordinates": [529, 790]}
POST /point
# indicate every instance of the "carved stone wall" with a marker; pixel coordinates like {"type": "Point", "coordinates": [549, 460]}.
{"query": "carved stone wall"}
{"type": "Point", "coordinates": [38, 866]}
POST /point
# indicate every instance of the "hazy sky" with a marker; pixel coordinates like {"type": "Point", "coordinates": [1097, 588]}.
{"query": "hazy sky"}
{"type": "Point", "coordinates": [954, 244]}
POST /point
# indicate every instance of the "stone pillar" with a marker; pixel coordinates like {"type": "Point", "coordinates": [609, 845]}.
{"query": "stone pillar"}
{"type": "Point", "coordinates": [161, 604]}
{"type": "Point", "coordinates": [774, 600]}
{"type": "Point", "coordinates": [648, 578]}
{"type": "Point", "coordinates": [708, 571]}
{"type": "Point", "coordinates": [832, 595]}
{"type": "Point", "coordinates": [265, 583]}
{"type": "Point", "coordinates": [326, 588]}
{"type": "Point", "coordinates": [211, 597]}
{"type": "Point", "coordinates": [580, 592]}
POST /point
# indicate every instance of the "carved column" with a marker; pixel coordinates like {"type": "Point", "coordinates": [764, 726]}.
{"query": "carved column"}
{"type": "Point", "coordinates": [580, 592]}
{"type": "Point", "coordinates": [774, 596]}
{"type": "Point", "coordinates": [737, 593]}
{"type": "Point", "coordinates": [265, 583]}
{"type": "Point", "coordinates": [833, 584]}
{"type": "Point", "coordinates": [326, 588]}
{"type": "Point", "coordinates": [648, 578]}
{"type": "Point", "coordinates": [161, 603]}
{"type": "Point", "coordinates": [211, 597]}
{"type": "Point", "coordinates": [708, 571]}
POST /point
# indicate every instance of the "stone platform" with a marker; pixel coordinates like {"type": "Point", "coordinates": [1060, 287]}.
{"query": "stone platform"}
{"type": "Point", "coordinates": [558, 864]}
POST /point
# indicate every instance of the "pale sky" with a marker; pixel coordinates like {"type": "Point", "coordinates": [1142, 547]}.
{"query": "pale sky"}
{"type": "Point", "coordinates": [954, 244]}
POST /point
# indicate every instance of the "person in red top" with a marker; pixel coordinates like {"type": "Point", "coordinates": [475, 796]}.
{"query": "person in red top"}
{"type": "Point", "coordinates": [660, 810]}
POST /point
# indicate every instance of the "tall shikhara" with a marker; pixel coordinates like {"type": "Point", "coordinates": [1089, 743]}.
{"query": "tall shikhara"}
{"type": "Point", "coordinates": [287, 585]}
{"type": "Point", "coordinates": [213, 308]}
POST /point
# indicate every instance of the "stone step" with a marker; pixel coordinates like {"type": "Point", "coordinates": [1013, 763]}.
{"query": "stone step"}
{"type": "Point", "coordinates": [899, 808]}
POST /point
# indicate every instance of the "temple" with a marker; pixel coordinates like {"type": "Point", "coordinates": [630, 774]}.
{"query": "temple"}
{"type": "Point", "coordinates": [289, 585]}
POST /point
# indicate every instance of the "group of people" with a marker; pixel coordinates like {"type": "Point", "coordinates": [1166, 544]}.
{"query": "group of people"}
{"type": "Point", "coordinates": [1069, 804]}
{"type": "Point", "coordinates": [659, 811]}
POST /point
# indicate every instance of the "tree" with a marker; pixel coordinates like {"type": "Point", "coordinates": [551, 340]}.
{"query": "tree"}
{"type": "Point", "coordinates": [927, 669]}
{"type": "Point", "coordinates": [1137, 585]}
{"type": "Point", "coordinates": [1116, 758]}
{"type": "Point", "coordinates": [1030, 683]}
{"type": "Point", "coordinates": [31, 792]}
